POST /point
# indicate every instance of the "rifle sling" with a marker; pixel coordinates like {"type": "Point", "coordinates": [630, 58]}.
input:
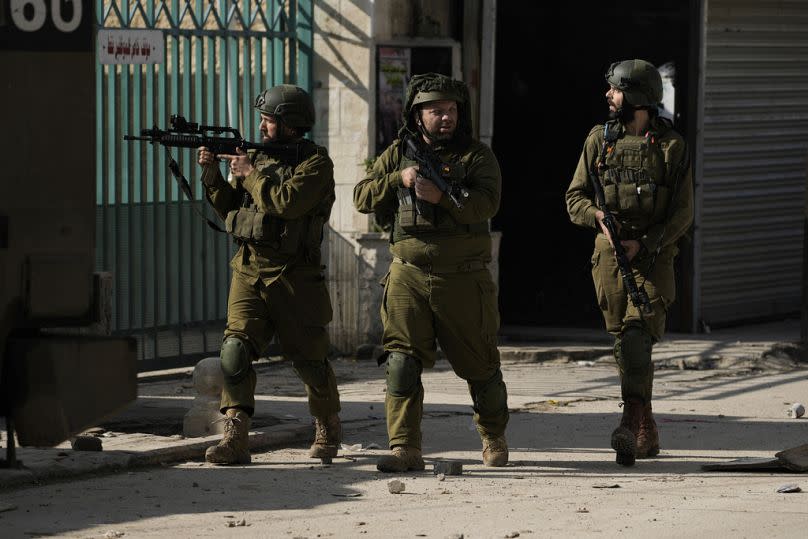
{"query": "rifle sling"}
{"type": "Point", "coordinates": [185, 187]}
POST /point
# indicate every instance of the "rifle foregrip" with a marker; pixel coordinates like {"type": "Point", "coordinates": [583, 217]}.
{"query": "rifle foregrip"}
{"type": "Point", "coordinates": [181, 141]}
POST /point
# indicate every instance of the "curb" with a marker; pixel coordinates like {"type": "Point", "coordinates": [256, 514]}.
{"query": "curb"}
{"type": "Point", "coordinates": [112, 461]}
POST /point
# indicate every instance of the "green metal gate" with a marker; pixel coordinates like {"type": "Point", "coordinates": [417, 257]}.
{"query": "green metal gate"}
{"type": "Point", "coordinates": [170, 271]}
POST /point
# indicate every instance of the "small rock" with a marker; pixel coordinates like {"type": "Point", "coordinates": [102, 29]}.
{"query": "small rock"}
{"type": "Point", "coordinates": [447, 467]}
{"type": "Point", "coordinates": [582, 510]}
{"type": "Point", "coordinates": [195, 484]}
{"type": "Point", "coordinates": [788, 488]}
{"type": "Point", "coordinates": [112, 534]}
{"type": "Point", "coordinates": [86, 443]}
{"type": "Point", "coordinates": [234, 523]}
{"type": "Point", "coordinates": [455, 536]}
{"type": "Point", "coordinates": [511, 535]}
{"type": "Point", "coordinates": [441, 477]}
{"type": "Point", "coordinates": [797, 410]}
{"type": "Point", "coordinates": [395, 486]}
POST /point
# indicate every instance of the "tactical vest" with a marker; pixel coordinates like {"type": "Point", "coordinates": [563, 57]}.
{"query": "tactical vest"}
{"type": "Point", "coordinates": [636, 180]}
{"type": "Point", "coordinates": [418, 218]}
{"type": "Point", "coordinates": [286, 237]}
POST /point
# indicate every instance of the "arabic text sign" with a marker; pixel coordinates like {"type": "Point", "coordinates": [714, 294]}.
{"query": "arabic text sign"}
{"type": "Point", "coordinates": [130, 46]}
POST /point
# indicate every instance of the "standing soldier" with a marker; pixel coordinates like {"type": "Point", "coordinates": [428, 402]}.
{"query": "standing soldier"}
{"type": "Point", "coordinates": [275, 210]}
{"type": "Point", "coordinates": [642, 165]}
{"type": "Point", "coordinates": [438, 287]}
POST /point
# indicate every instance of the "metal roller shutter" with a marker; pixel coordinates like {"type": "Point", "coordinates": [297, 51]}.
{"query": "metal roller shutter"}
{"type": "Point", "coordinates": [753, 159]}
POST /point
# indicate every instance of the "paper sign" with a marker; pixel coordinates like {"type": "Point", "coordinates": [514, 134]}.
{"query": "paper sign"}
{"type": "Point", "coordinates": [130, 46]}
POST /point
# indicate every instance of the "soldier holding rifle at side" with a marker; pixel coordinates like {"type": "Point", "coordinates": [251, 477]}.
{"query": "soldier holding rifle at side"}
{"type": "Point", "coordinates": [633, 185]}
{"type": "Point", "coordinates": [275, 209]}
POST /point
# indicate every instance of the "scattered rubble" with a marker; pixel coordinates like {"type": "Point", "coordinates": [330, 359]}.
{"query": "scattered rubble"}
{"type": "Point", "coordinates": [797, 410]}
{"type": "Point", "coordinates": [395, 486]}
{"type": "Point", "coordinates": [447, 467]}
{"type": "Point", "coordinates": [86, 443]}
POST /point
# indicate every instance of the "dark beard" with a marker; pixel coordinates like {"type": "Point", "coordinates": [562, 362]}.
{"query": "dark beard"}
{"type": "Point", "coordinates": [624, 114]}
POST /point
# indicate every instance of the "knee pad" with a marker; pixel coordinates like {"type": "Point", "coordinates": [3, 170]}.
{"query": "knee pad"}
{"type": "Point", "coordinates": [490, 396]}
{"type": "Point", "coordinates": [632, 349]}
{"type": "Point", "coordinates": [235, 360]}
{"type": "Point", "coordinates": [403, 374]}
{"type": "Point", "coordinates": [313, 373]}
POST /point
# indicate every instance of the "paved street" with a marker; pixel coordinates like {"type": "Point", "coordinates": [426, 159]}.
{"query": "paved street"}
{"type": "Point", "coordinates": [561, 481]}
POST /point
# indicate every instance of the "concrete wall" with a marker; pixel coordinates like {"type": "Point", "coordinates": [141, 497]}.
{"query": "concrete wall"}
{"type": "Point", "coordinates": [342, 91]}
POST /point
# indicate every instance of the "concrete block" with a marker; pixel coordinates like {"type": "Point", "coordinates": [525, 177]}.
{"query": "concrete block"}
{"type": "Point", "coordinates": [201, 418]}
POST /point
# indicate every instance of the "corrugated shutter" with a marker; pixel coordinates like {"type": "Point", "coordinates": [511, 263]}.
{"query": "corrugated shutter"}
{"type": "Point", "coordinates": [755, 138]}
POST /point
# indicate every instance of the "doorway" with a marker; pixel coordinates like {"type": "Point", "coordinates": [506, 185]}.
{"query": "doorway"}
{"type": "Point", "coordinates": [549, 92]}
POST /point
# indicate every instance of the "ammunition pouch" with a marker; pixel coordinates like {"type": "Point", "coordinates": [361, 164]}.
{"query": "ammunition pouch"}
{"type": "Point", "coordinates": [256, 227]}
{"type": "Point", "coordinates": [417, 215]}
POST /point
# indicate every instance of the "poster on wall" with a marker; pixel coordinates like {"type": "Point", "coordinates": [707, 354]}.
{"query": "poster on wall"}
{"type": "Point", "coordinates": [394, 74]}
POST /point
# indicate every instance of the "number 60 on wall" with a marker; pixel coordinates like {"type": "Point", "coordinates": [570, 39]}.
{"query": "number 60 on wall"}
{"type": "Point", "coordinates": [30, 15]}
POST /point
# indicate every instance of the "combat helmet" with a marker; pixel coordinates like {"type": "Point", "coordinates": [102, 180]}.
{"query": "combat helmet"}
{"type": "Point", "coordinates": [436, 87]}
{"type": "Point", "coordinates": [639, 81]}
{"type": "Point", "coordinates": [293, 105]}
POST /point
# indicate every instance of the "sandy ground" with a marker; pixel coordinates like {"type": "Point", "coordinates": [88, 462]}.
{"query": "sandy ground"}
{"type": "Point", "coordinates": [561, 481]}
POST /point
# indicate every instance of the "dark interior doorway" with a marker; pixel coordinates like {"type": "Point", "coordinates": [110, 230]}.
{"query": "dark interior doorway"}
{"type": "Point", "coordinates": [550, 86]}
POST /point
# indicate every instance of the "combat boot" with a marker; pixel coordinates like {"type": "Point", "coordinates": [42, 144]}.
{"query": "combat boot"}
{"type": "Point", "coordinates": [495, 451]}
{"type": "Point", "coordinates": [402, 458]}
{"type": "Point", "coordinates": [327, 437]}
{"type": "Point", "coordinates": [624, 437]}
{"type": "Point", "coordinates": [234, 447]}
{"type": "Point", "coordinates": [647, 437]}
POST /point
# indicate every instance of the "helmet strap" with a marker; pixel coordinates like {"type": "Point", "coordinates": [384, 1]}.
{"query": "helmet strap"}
{"type": "Point", "coordinates": [421, 128]}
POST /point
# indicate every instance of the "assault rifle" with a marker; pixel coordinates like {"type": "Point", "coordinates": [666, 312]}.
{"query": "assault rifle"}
{"type": "Point", "coordinates": [185, 134]}
{"type": "Point", "coordinates": [433, 169]}
{"type": "Point", "coordinates": [638, 295]}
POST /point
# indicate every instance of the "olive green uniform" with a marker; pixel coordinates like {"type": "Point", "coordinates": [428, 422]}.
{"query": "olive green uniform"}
{"type": "Point", "coordinates": [648, 187]}
{"type": "Point", "coordinates": [438, 287]}
{"type": "Point", "coordinates": [276, 214]}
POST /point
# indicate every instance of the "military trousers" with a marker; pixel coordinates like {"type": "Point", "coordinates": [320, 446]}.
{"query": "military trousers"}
{"type": "Point", "coordinates": [458, 311]}
{"type": "Point", "coordinates": [634, 332]}
{"type": "Point", "coordinates": [296, 308]}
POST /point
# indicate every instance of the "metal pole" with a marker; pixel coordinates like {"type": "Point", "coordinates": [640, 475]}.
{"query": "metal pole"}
{"type": "Point", "coordinates": [487, 69]}
{"type": "Point", "coordinates": [804, 306]}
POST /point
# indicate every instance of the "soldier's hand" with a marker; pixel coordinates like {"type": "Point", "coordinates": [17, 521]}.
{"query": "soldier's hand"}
{"type": "Point", "coordinates": [599, 215]}
{"type": "Point", "coordinates": [240, 165]}
{"type": "Point", "coordinates": [632, 247]}
{"type": "Point", "coordinates": [408, 176]}
{"type": "Point", "coordinates": [205, 157]}
{"type": "Point", "coordinates": [426, 190]}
